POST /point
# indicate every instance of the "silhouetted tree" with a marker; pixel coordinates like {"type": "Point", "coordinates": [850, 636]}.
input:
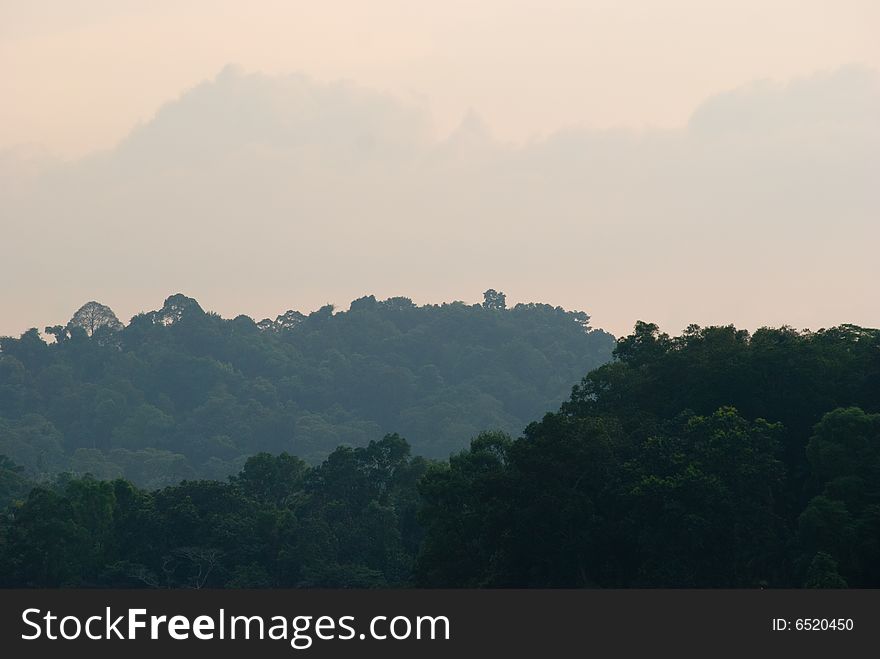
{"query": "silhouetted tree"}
{"type": "Point", "coordinates": [493, 299]}
{"type": "Point", "coordinates": [93, 317]}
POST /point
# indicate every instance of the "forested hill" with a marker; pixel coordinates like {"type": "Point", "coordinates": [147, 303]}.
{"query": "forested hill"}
{"type": "Point", "coordinates": [180, 393]}
{"type": "Point", "coordinates": [717, 458]}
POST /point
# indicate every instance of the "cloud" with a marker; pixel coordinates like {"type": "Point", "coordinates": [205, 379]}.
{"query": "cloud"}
{"type": "Point", "coordinates": [258, 193]}
{"type": "Point", "coordinates": [847, 101]}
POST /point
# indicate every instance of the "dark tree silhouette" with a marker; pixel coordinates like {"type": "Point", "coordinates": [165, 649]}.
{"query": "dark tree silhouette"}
{"type": "Point", "coordinates": [174, 308]}
{"type": "Point", "coordinates": [493, 299]}
{"type": "Point", "coordinates": [93, 317]}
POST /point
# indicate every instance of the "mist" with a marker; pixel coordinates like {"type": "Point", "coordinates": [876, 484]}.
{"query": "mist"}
{"type": "Point", "coordinates": [257, 193]}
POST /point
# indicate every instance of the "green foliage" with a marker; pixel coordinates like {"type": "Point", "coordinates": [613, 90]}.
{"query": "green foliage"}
{"type": "Point", "coordinates": [712, 459]}
{"type": "Point", "coordinates": [348, 523]}
{"type": "Point", "coordinates": [181, 393]}
{"type": "Point", "coordinates": [844, 519]}
{"type": "Point", "coordinates": [823, 573]}
{"type": "Point", "coordinates": [13, 484]}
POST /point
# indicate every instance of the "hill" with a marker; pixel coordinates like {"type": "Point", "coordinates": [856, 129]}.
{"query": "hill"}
{"type": "Point", "coordinates": [180, 393]}
{"type": "Point", "coordinates": [717, 458]}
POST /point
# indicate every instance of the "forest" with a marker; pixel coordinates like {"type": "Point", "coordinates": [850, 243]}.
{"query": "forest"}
{"type": "Point", "coordinates": [179, 393]}
{"type": "Point", "coordinates": [717, 458]}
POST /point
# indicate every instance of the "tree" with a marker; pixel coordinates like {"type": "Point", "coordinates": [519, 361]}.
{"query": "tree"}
{"type": "Point", "coordinates": [60, 332]}
{"type": "Point", "coordinates": [283, 322]}
{"type": "Point", "coordinates": [176, 307]}
{"type": "Point", "coordinates": [93, 317]}
{"type": "Point", "coordinates": [13, 484]}
{"type": "Point", "coordinates": [493, 299]}
{"type": "Point", "coordinates": [823, 573]}
{"type": "Point", "coordinates": [465, 512]}
{"type": "Point", "coordinates": [197, 563]}
{"type": "Point", "coordinates": [843, 521]}
{"type": "Point", "coordinates": [701, 503]}
{"type": "Point", "coordinates": [272, 479]}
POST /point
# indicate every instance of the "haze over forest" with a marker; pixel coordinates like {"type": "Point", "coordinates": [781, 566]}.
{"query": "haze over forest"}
{"type": "Point", "coordinates": [180, 393]}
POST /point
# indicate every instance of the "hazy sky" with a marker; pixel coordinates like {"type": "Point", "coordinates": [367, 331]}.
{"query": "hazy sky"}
{"type": "Point", "coordinates": [80, 74]}
{"type": "Point", "coordinates": [673, 161]}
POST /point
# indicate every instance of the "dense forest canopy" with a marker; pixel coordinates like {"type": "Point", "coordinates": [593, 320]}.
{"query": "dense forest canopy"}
{"type": "Point", "coordinates": [712, 459]}
{"type": "Point", "coordinates": [717, 458]}
{"type": "Point", "coordinates": [350, 522]}
{"type": "Point", "coordinates": [179, 393]}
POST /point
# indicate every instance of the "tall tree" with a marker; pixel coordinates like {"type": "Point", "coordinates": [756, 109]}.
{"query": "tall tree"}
{"type": "Point", "coordinates": [93, 317]}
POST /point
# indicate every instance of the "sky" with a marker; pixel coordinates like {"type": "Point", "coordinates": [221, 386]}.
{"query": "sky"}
{"type": "Point", "coordinates": [678, 162]}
